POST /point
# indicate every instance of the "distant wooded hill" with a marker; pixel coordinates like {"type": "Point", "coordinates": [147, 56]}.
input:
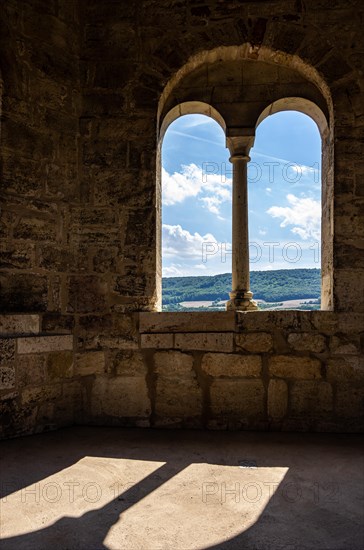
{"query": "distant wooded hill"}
{"type": "Point", "coordinates": [270, 286]}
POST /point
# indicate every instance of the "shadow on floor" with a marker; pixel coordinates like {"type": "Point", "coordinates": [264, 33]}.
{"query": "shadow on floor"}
{"type": "Point", "coordinates": [317, 507]}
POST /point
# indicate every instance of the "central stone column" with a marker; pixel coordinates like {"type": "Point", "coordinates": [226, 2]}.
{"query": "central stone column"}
{"type": "Point", "coordinates": [239, 141]}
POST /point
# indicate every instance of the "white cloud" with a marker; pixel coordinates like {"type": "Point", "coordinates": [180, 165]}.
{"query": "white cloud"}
{"type": "Point", "coordinates": [179, 242]}
{"type": "Point", "coordinates": [186, 253]}
{"type": "Point", "coordinates": [303, 213]}
{"type": "Point", "coordinates": [212, 189]}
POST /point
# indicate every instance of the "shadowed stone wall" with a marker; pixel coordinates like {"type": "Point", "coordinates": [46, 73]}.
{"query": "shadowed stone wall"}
{"type": "Point", "coordinates": [81, 90]}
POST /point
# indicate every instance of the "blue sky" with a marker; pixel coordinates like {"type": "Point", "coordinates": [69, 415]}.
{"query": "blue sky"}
{"type": "Point", "coordinates": [284, 196]}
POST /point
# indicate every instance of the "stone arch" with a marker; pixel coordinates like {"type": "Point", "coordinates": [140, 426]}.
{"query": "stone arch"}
{"type": "Point", "coordinates": [300, 104]}
{"type": "Point", "coordinates": [290, 83]}
{"type": "Point", "coordinates": [246, 52]}
{"type": "Point", "coordinates": [190, 108]}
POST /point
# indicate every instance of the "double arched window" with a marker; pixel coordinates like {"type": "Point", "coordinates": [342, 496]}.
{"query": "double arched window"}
{"type": "Point", "coordinates": [239, 94]}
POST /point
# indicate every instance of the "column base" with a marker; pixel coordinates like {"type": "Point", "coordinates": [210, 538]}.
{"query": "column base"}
{"type": "Point", "coordinates": [241, 301]}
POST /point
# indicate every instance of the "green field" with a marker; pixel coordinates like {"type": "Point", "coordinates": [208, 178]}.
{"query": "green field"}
{"type": "Point", "coordinates": [270, 286]}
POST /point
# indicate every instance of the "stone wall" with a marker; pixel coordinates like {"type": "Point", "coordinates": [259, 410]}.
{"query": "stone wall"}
{"type": "Point", "coordinates": [281, 371]}
{"type": "Point", "coordinates": [81, 86]}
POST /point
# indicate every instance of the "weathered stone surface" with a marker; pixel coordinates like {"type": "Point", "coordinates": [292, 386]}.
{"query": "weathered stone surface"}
{"type": "Point", "coordinates": [187, 322]}
{"type": "Point", "coordinates": [103, 331]}
{"type": "Point", "coordinates": [129, 363]}
{"type": "Point", "coordinates": [56, 322]}
{"type": "Point", "coordinates": [306, 341]}
{"type": "Point", "coordinates": [173, 364]}
{"type": "Point", "coordinates": [256, 342]}
{"type": "Point", "coordinates": [224, 364]}
{"type": "Point", "coordinates": [311, 398]}
{"type": "Point", "coordinates": [256, 321]}
{"type": "Point", "coordinates": [7, 377]}
{"type": "Point", "coordinates": [242, 398]}
{"type": "Point", "coordinates": [31, 370]}
{"type": "Point", "coordinates": [23, 292]}
{"type": "Point", "coordinates": [36, 229]}
{"type": "Point", "coordinates": [289, 366]}
{"type": "Point", "coordinates": [17, 324]}
{"type": "Point", "coordinates": [91, 362]}
{"type": "Point", "coordinates": [178, 398]}
{"type": "Point", "coordinates": [345, 345]}
{"type": "Point", "coordinates": [36, 394]}
{"type": "Point", "coordinates": [86, 294]}
{"type": "Point", "coordinates": [60, 365]}
{"type": "Point", "coordinates": [345, 369]}
{"type": "Point", "coordinates": [7, 350]}
{"type": "Point", "coordinates": [156, 341]}
{"type": "Point", "coordinates": [206, 341]}
{"type": "Point", "coordinates": [69, 408]}
{"type": "Point", "coordinates": [350, 400]}
{"type": "Point", "coordinates": [42, 344]}
{"type": "Point", "coordinates": [277, 399]}
{"type": "Point", "coordinates": [120, 397]}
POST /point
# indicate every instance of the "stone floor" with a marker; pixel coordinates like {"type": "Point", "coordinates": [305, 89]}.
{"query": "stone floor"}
{"type": "Point", "coordinates": [92, 488]}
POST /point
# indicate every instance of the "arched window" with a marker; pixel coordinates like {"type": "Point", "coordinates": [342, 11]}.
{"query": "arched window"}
{"type": "Point", "coordinates": [241, 92]}
{"type": "Point", "coordinates": [284, 181]}
{"type": "Point", "coordinates": [196, 211]}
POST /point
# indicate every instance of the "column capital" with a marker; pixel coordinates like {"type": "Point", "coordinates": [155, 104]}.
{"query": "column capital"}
{"type": "Point", "coordinates": [239, 141]}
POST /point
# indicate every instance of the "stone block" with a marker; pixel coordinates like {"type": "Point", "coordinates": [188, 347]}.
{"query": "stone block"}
{"type": "Point", "coordinates": [60, 364]}
{"type": "Point", "coordinates": [69, 407]}
{"type": "Point", "coordinates": [256, 321]}
{"type": "Point", "coordinates": [349, 288]}
{"type": "Point", "coordinates": [115, 331]}
{"type": "Point", "coordinates": [31, 370]}
{"type": "Point", "coordinates": [31, 395]}
{"type": "Point", "coordinates": [7, 350]}
{"type": "Point", "coordinates": [345, 369]}
{"type": "Point", "coordinates": [120, 397]}
{"type": "Point", "coordinates": [178, 398]}
{"type": "Point", "coordinates": [173, 364]}
{"type": "Point", "coordinates": [206, 341]}
{"type": "Point", "coordinates": [306, 341]}
{"type": "Point", "coordinates": [242, 398]}
{"type": "Point", "coordinates": [311, 398]}
{"type": "Point", "coordinates": [43, 344]}
{"type": "Point", "coordinates": [345, 345]}
{"type": "Point", "coordinates": [156, 341]}
{"type": "Point", "coordinates": [350, 323]}
{"type": "Point", "coordinates": [23, 292]}
{"type": "Point", "coordinates": [203, 321]}
{"type": "Point", "coordinates": [256, 342]}
{"type": "Point", "coordinates": [277, 399]}
{"type": "Point", "coordinates": [129, 363]}
{"type": "Point", "coordinates": [324, 321]}
{"type": "Point", "coordinates": [19, 324]}
{"type": "Point", "coordinates": [290, 366]}
{"type": "Point", "coordinates": [7, 377]}
{"type": "Point", "coordinates": [56, 322]}
{"type": "Point", "coordinates": [19, 257]}
{"type": "Point", "coordinates": [350, 401]}
{"type": "Point", "coordinates": [226, 365]}
{"type": "Point", "coordinates": [90, 362]}
{"type": "Point", "coordinates": [36, 229]}
{"type": "Point", "coordinates": [86, 294]}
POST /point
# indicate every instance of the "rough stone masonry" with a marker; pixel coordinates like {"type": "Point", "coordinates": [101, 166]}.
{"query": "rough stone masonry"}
{"type": "Point", "coordinates": [86, 88]}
